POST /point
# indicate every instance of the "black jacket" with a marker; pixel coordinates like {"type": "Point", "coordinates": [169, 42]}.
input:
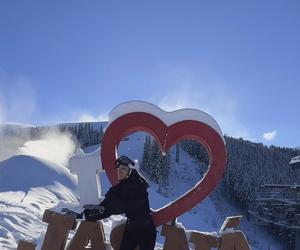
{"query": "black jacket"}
{"type": "Point", "coordinates": [130, 196]}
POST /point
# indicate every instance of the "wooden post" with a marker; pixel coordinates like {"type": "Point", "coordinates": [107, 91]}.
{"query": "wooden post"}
{"type": "Point", "coordinates": [58, 229]}
{"type": "Point", "coordinates": [175, 237]}
{"type": "Point", "coordinates": [234, 240]}
{"type": "Point", "coordinates": [177, 152]}
{"type": "Point", "coordinates": [203, 241]}
{"type": "Point", "coordinates": [88, 231]}
{"type": "Point", "coordinates": [231, 222]}
{"type": "Point", "coordinates": [26, 245]}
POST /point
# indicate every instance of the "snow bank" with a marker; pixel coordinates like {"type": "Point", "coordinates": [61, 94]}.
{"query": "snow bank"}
{"type": "Point", "coordinates": [28, 186]}
{"type": "Point", "coordinates": [22, 172]}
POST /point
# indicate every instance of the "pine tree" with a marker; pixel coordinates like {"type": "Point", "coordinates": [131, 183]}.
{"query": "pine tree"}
{"type": "Point", "coordinates": [101, 133]}
{"type": "Point", "coordinates": [155, 159]}
{"type": "Point", "coordinates": [146, 155]}
{"type": "Point", "coordinates": [164, 173]}
{"type": "Point", "coordinates": [177, 152]}
{"type": "Point", "coordinates": [249, 165]}
{"type": "Point", "coordinates": [155, 164]}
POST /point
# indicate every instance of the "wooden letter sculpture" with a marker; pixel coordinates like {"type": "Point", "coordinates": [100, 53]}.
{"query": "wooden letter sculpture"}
{"type": "Point", "coordinates": [58, 229]}
{"type": "Point", "coordinates": [175, 237]}
{"type": "Point", "coordinates": [88, 231]}
{"type": "Point", "coordinates": [204, 241]}
{"type": "Point", "coordinates": [26, 245]}
{"type": "Point", "coordinates": [231, 238]}
{"type": "Point", "coordinates": [234, 240]}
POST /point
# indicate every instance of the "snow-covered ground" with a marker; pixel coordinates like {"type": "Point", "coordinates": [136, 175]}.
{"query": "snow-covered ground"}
{"type": "Point", "coordinates": [30, 183]}
{"type": "Point", "coordinates": [209, 215]}
{"type": "Point", "coordinates": [28, 186]}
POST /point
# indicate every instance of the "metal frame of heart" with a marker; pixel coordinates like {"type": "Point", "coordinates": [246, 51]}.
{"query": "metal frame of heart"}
{"type": "Point", "coordinates": [166, 136]}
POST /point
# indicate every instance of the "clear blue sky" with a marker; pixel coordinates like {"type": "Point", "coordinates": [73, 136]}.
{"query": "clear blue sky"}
{"type": "Point", "coordinates": [75, 60]}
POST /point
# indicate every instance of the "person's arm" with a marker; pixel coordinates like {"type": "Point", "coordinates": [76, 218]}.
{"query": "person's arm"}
{"type": "Point", "coordinates": [95, 214]}
{"type": "Point", "coordinates": [114, 205]}
{"type": "Point", "coordinates": [111, 204]}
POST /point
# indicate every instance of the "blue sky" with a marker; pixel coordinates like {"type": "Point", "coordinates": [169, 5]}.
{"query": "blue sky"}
{"type": "Point", "coordinates": [75, 60]}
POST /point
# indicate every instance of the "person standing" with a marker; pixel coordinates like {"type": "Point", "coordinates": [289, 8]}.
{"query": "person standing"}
{"type": "Point", "coordinates": [129, 197]}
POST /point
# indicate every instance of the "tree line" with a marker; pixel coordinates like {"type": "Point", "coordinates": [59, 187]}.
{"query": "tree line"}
{"type": "Point", "coordinates": [155, 164]}
{"type": "Point", "coordinates": [249, 166]}
{"type": "Point", "coordinates": [84, 134]}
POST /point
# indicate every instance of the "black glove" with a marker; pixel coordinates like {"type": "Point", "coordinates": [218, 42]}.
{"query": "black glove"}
{"type": "Point", "coordinates": [71, 213]}
{"type": "Point", "coordinates": [91, 206]}
{"type": "Point", "coordinates": [93, 214]}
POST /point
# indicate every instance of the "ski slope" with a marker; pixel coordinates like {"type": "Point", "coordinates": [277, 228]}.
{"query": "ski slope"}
{"type": "Point", "coordinates": [30, 184]}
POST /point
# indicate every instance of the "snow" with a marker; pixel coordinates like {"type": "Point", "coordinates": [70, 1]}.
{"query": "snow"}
{"type": "Point", "coordinates": [210, 214]}
{"type": "Point", "coordinates": [22, 172]}
{"type": "Point", "coordinates": [28, 186]}
{"type": "Point", "coordinates": [168, 118]}
{"type": "Point", "coordinates": [116, 223]}
{"type": "Point", "coordinates": [31, 184]}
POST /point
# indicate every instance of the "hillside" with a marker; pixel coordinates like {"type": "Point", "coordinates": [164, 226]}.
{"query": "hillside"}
{"type": "Point", "coordinates": [30, 184]}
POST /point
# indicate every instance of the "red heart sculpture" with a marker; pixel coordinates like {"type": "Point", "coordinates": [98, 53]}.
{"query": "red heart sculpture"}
{"type": "Point", "coordinates": [166, 137]}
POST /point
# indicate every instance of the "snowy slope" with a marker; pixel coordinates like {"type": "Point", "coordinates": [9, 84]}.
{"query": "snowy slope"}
{"type": "Point", "coordinates": [29, 185]}
{"type": "Point", "coordinates": [210, 213]}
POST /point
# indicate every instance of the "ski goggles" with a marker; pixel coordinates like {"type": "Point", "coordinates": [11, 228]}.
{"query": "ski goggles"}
{"type": "Point", "coordinates": [124, 160]}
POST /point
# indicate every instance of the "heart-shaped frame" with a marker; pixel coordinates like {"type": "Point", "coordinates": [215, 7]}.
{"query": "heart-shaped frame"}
{"type": "Point", "coordinates": [167, 136]}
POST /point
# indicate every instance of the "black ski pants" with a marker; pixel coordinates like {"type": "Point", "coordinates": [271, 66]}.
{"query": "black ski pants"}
{"type": "Point", "coordinates": [142, 234]}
